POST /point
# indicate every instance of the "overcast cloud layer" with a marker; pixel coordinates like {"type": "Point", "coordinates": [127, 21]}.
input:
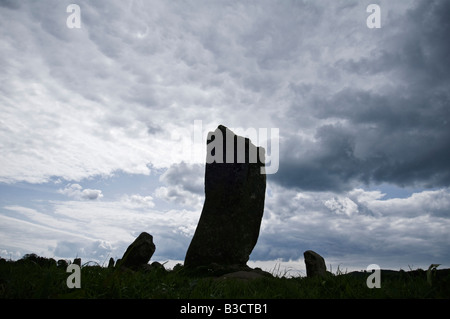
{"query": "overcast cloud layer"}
{"type": "Point", "coordinates": [86, 113]}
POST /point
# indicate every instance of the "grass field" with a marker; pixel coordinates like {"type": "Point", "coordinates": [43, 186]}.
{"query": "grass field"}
{"type": "Point", "coordinates": [27, 279]}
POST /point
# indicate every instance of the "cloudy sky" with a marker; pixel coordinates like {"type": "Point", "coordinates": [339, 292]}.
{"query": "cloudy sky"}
{"type": "Point", "coordinates": [97, 122]}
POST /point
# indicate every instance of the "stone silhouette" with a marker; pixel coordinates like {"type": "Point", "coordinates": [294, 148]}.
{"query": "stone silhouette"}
{"type": "Point", "coordinates": [111, 263]}
{"type": "Point", "coordinates": [315, 264]}
{"type": "Point", "coordinates": [138, 253]}
{"type": "Point", "coordinates": [230, 221]}
{"type": "Point", "coordinates": [77, 261]}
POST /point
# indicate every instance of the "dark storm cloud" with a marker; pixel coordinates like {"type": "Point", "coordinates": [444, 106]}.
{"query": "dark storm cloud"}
{"type": "Point", "coordinates": [418, 50]}
{"type": "Point", "coordinates": [327, 163]}
{"type": "Point", "coordinates": [398, 133]}
{"type": "Point", "coordinates": [10, 4]}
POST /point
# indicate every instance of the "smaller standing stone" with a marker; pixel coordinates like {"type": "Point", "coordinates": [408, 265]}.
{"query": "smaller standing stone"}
{"type": "Point", "coordinates": [315, 264]}
{"type": "Point", "coordinates": [111, 263]}
{"type": "Point", "coordinates": [77, 261]}
{"type": "Point", "coordinates": [139, 252]}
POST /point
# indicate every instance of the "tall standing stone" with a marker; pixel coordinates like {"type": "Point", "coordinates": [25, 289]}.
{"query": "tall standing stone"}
{"type": "Point", "coordinates": [235, 187]}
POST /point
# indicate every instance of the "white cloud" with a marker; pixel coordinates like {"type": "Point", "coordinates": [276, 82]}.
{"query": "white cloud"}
{"type": "Point", "coordinates": [77, 192]}
{"type": "Point", "coordinates": [178, 195]}
{"type": "Point", "coordinates": [341, 205]}
{"type": "Point", "coordinates": [63, 116]}
{"type": "Point", "coordinates": [95, 229]}
{"type": "Point", "coordinates": [432, 202]}
{"type": "Point", "coordinates": [185, 185]}
{"type": "Point", "coordinates": [97, 250]}
{"type": "Point", "coordinates": [188, 176]}
{"type": "Point", "coordinates": [371, 230]}
{"type": "Point", "coordinates": [139, 200]}
{"type": "Point", "coordinates": [355, 227]}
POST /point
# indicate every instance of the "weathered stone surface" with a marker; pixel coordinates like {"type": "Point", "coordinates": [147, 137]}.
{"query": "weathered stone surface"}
{"type": "Point", "coordinates": [230, 221]}
{"type": "Point", "coordinates": [139, 252]}
{"type": "Point", "coordinates": [315, 264]}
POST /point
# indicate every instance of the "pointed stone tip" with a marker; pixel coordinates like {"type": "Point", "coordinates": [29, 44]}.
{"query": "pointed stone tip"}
{"type": "Point", "coordinates": [223, 128]}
